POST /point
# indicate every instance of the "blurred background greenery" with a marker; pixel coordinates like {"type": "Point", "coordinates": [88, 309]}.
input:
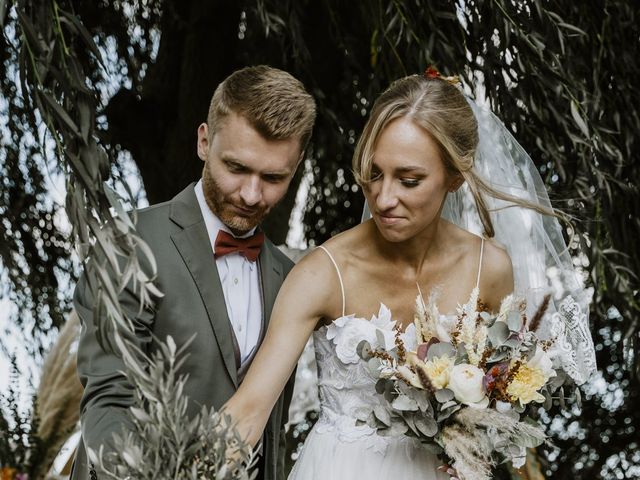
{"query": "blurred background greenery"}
{"type": "Point", "coordinates": [562, 75]}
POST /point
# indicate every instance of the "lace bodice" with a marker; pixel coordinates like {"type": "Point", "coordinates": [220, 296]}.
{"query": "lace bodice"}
{"type": "Point", "coordinates": [346, 387]}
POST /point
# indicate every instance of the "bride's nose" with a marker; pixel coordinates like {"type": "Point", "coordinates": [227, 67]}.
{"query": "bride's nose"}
{"type": "Point", "coordinates": [387, 197]}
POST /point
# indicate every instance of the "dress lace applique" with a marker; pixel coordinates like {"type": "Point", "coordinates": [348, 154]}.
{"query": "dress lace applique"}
{"type": "Point", "coordinates": [338, 447]}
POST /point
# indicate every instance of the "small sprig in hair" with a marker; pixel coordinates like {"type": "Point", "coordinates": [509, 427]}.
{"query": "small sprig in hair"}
{"type": "Point", "coordinates": [432, 72]}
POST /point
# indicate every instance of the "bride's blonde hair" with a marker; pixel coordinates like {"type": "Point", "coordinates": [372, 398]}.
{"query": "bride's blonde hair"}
{"type": "Point", "coordinates": [440, 108]}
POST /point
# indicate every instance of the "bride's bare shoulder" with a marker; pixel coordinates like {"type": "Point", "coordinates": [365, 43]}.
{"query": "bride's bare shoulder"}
{"type": "Point", "coordinates": [317, 263]}
{"type": "Point", "coordinates": [497, 274]}
{"type": "Point", "coordinates": [315, 276]}
{"type": "Point", "coordinates": [347, 245]}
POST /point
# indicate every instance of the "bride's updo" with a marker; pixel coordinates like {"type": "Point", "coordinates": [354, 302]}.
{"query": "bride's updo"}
{"type": "Point", "coordinates": [441, 109]}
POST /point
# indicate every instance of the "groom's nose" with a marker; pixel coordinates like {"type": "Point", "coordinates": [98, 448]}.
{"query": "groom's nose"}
{"type": "Point", "coordinates": [251, 191]}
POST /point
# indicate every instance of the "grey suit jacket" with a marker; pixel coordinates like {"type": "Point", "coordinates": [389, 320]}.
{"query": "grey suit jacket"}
{"type": "Point", "coordinates": [193, 302]}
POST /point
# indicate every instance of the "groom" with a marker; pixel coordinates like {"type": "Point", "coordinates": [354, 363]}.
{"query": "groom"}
{"type": "Point", "coordinates": [218, 272]}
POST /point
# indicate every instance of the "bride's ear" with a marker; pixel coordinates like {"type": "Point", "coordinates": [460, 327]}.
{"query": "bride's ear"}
{"type": "Point", "coordinates": [456, 182]}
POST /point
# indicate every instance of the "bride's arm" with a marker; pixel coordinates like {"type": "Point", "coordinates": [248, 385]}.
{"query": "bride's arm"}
{"type": "Point", "coordinates": [303, 300]}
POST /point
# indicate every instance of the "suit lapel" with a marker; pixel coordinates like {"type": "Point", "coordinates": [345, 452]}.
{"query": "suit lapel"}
{"type": "Point", "coordinates": [271, 277]}
{"type": "Point", "coordinates": [194, 246]}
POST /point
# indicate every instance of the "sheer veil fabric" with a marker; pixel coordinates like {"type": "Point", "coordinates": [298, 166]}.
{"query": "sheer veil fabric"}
{"type": "Point", "coordinates": [541, 260]}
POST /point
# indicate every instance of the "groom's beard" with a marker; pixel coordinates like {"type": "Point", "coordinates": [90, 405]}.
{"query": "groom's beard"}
{"type": "Point", "coordinates": [224, 209]}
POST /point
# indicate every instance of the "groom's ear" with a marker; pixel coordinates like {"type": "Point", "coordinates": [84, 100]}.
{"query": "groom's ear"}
{"type": "Point", "coordinates": [203, 142]}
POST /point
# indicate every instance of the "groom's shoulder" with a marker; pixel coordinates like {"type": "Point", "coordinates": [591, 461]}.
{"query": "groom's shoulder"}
{"type": "Point", "coordinates": [280, 256]}
{"type": "Point", "coordinates": [183, 208]}
{"type": "Point", "coordinates": [153, 215]}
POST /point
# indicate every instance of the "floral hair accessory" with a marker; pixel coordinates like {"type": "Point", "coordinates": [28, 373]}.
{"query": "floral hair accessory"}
{"type": "Point", "coordinates": [432, 72]}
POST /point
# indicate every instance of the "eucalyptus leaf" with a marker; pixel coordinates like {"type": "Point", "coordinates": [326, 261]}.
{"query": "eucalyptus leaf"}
{"type": "Point", "coordinates": [498, 333]}
{"type": "Point", "coordinates": [448, 404]}
{"type": "Point", "coordinates": [381, 385]}
{"type": "Point", "coordinates": [512, 343]}
{"type": "Point", "coordinates": [427, 426]}
{"type": "Point", "coordinates": [444, 395]}
{"type": "Point", "coordinates": [382, 414]}
{"type": "Point", "coordinates": [441, 349]}
{"type": "Point", "coordinates": [529, 440]}
{"type": "Point", "coordinates": [514, 321]}
{"type": "Point", "coordinates": [402, 402]}
{"type": "Point", "coordinates": [364, 350]}
{"type": "Point", "coordinates": [373, 364]}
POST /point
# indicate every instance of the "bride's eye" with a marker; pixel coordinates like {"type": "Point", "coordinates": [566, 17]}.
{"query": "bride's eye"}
{"type": "Point", "coordinates": [410, 182]}
{"type": "Point", "coordinates": [375, 175]}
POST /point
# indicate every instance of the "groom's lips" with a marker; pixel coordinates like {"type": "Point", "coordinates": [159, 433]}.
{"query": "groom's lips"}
{"type": "Point", "coordinates": [245, 212]}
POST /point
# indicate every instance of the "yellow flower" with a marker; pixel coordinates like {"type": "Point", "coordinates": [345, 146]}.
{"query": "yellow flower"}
{"type": "Point", "coordinates": [525, 385]}
{"type": "Point", "coordinates": [438, 370]}
{"type": "Point", "coordinates": [7, 473]}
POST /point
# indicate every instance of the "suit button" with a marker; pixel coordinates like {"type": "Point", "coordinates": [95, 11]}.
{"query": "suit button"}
{"type": "Point", "coordinates": [235, 281]}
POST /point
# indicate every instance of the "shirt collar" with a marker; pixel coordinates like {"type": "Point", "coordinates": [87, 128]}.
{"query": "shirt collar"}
{"type": "Point", "coordinates": [211, 220]}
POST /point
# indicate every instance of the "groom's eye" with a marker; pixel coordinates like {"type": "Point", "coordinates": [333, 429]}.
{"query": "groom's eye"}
{"type": "Point", "coordinates": [274, 178]}
{"type": "Point", "coordinates": [234, 167]}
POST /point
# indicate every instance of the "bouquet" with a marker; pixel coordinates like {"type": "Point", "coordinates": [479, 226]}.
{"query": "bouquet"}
{"type": "Point", "coordinates": [464, 386]}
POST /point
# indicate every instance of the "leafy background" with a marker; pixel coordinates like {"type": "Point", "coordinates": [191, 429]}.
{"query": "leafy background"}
{"type": "Point", "coordinates": [562, 75]}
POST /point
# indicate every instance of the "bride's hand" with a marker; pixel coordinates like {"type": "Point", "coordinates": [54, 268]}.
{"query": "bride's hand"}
{"type": "Point", "coordinates": [449, 470]}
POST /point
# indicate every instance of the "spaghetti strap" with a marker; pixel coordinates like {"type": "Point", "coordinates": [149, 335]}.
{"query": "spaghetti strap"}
{"type": "Point", "coordinates": [339, 278]}
{"type": "Point", "coordinates": [480, 263]}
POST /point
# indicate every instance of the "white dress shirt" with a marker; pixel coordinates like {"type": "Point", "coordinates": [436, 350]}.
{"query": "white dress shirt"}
{"type": "Point", "coordinates": [240, 284]}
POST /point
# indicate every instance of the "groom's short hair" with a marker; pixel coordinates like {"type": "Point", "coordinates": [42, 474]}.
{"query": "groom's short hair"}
{"type": "Point", "coordinates": [273, 102]}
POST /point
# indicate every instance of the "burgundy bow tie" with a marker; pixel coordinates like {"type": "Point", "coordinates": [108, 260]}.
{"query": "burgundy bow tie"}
{"type": "Point", "coordinates": [249, 247]}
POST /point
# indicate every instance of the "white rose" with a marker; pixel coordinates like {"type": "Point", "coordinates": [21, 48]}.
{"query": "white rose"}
{"type": "Point", "coordinates": [466, 383]}
{"type": "Point", "coordinates": [347, 338]}
{"type": "Point", "coordinates": [347, 333]}
{"type": "Point", "coordinates": [542, 362]}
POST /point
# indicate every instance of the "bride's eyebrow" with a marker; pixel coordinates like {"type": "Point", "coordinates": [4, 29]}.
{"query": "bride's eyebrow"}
{"type": "Point", "coordinates": [411, 169]}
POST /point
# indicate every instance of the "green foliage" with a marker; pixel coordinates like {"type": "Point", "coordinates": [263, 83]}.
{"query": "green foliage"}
{"type": "Point", "coordinates": [55, 52]}
{"type": "Point", "coordinates": [166, 443]}
{"type": "Point", "coordinates": [20, 447]}
{"type": "Point", "coordinates": [562, 75]}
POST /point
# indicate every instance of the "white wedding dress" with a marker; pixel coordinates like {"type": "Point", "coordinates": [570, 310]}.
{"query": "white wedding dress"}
{"type": "Point", "coordinates": [337, 448]}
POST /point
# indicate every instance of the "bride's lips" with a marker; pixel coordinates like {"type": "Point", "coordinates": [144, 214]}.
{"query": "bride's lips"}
{"type": "Point", "coordinates": [389, 219]}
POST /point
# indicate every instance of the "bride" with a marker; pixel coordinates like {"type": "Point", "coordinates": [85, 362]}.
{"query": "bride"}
{"type": "Point", "coordinates": [418, 162]}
